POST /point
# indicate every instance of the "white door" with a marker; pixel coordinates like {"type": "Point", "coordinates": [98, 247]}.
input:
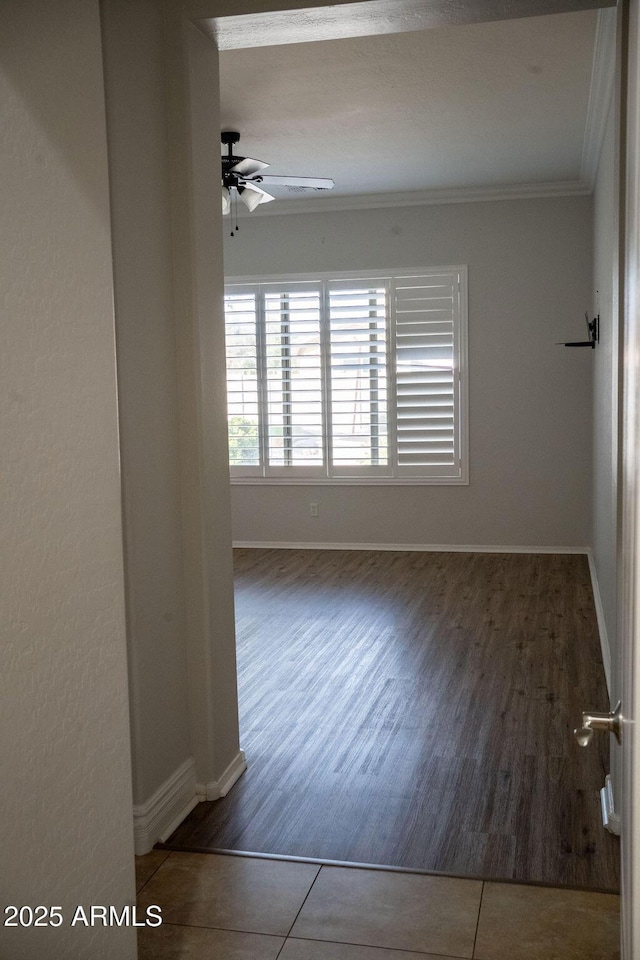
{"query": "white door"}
{"type": "Point", "coordinates": [629, 621]}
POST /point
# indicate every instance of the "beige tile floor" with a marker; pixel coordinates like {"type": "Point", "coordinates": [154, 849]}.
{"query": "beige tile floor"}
{"type": "Point", "coordinates": [247, 908]}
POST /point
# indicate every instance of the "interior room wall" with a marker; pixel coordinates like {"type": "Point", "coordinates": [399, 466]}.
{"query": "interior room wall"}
{"type": "Point", "coordinates": [197, 258]}
{"type": "Point", "coordinates": [530, 283]}
{"type": "Point", "coordinates": [161, 122]}
{"type": "Point", "coordinates": [148, 391]}
{"type": "Point", "coordinates": [66, 802]}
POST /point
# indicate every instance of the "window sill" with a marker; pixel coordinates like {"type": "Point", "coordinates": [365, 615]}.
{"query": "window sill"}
{"type": "Point", "coordinates": [351, 481]}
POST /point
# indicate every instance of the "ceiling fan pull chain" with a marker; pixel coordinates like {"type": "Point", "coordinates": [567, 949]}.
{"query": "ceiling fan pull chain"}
{"type": "Point", "coordinates": [235, 197]}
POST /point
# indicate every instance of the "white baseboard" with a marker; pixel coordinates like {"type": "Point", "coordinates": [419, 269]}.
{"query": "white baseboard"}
{"type": "Point", "coordinates": [156, 819]}
{"type": "Point", "coordinates": [220, 787]}
{"type": "Point", "coordinates": [406, 547]}
{"type": "Point", "coordinates": [610, 818]}
{"type": "Point", "coordinates": [602, 625]}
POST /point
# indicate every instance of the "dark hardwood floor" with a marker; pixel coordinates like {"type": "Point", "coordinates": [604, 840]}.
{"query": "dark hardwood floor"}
{"type": "Point", "coordinates": [416, 710]}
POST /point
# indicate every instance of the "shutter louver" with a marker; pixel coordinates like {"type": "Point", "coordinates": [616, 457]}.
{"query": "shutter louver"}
{"type": "Point", "coordinates": [426, 320]}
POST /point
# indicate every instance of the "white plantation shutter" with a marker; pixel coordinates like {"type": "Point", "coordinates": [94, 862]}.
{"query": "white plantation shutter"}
{"type": "Point", "coordinates": [357, 320]}
{"type": "Point", "coordinates": [354, 379]}
{"type": "Point", "coordinates": [427, 323]}
{"type": "Point", "coordinates": [243, 389]}
{"type": "Point", "coordinates": [294, 374]}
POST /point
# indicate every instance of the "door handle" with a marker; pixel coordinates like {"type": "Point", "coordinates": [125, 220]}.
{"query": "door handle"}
{"type": "Point", "coordinates": [612, 722]}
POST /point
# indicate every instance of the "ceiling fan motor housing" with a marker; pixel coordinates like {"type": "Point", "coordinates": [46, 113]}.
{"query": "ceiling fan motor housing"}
{"type": "Point", "coordinates": [228, 138]}
{"type": "Point", "coordinates": [229, 179]}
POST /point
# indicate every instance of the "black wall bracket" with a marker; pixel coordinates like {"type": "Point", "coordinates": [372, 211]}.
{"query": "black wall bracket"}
{"type": "Point", "coordinates": [593, 329]}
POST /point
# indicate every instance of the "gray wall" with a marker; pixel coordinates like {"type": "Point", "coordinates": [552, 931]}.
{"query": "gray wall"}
{"type": "Point", "coordinates": [66, 834]}
{"type": "Point", "coordinates": [530, 400]}
{"type": "Point", "coordinates": [177, 532]}
{"type": "Point", "coordinates": [148, 392]}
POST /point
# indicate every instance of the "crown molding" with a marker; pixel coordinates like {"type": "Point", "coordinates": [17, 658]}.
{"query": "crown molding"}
{"type": "Point", "coordinates": [600, 94]}
{"type": "Point", "coordinates": [419, 198]}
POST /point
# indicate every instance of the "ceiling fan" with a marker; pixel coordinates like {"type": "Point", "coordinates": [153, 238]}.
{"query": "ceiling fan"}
{"type": "Point", "coordinates": [244, 177]}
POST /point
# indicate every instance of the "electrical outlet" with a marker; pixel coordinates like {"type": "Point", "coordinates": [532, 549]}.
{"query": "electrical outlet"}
{"type": "Point", "coordinates": [313, 509]}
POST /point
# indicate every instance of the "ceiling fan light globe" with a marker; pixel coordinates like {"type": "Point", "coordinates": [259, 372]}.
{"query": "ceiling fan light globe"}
{"type": "Point", "coordinates": [226, 202]}
{"type": "Point", "coordinates": [250, 197]}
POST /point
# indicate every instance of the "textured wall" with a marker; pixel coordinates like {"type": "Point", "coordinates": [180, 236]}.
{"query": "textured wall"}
{"type": "Point", "coordinates": [66, 834]}
{"type": "Point", "coordinates": [530, 400]}
{"type": "Point", "coordinates": [202, 379]}
{"type": "Point", "coordinates": [162, 123]}
{"type": "Point", "coordinates": [147, 391]}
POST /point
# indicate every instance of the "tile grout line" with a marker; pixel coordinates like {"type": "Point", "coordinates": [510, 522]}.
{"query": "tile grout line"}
{"type": "Point", "coordinates": [288, 934]}
{"type": "Point", "coordinates": [475, 939]}
{"type": "Point", "coordinates": [279, 936]}
{"type": "Point", "coordinates": [371, 946]}
{"type": "Point", "coordinates": [200, 926]}
{"type": "Point", "coordinates": [205, 926]}
{"type": "Point", "coordinates": [138, 892]}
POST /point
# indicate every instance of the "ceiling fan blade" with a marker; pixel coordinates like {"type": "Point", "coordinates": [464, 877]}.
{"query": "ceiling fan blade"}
{"type": "Point", "coordinates": [309, 183]}
{"type": "Point", "coordinates": [248, 167]}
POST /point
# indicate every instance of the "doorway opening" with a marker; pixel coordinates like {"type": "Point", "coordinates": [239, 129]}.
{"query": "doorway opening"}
{"type": "Point", "coordinates": [544, 703]}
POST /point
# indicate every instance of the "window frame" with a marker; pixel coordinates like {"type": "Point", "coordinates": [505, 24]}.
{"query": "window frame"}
{"type": "Point", "coordinates": [346, 475]}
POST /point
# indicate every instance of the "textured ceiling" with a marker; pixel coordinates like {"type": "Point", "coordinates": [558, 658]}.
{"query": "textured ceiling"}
{"type": "Point", "coordinates": [480, 105]}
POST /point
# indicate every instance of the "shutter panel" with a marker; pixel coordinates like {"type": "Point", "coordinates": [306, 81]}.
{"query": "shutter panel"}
{"type": "Point", "coordinates": [426, 330]}
{"type": "Point", "coordinates": [242, 379]}
{"type": "Point", "coordinates": [293, 369]}
{"type": "Point", "coordinates": [358, 373]}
